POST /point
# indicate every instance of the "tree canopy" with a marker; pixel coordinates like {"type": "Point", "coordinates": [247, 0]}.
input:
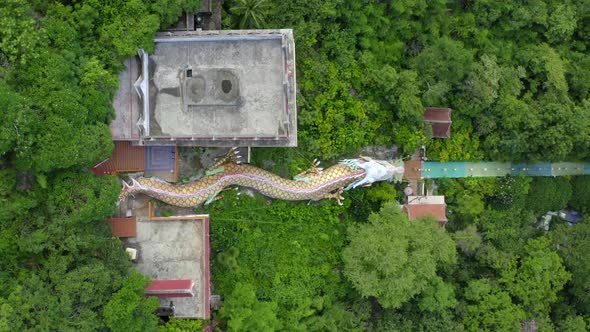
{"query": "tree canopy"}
{"type": "Point", "coordinates": [393, 259]}
{"type": "Point", "coordinates": [516, 74]}
{"type": "Point", "coordinates": [129, 310]}
{"type": "Point", "coordinates": [59, 63]}
{"type": "Point", "coordinates": [243, 312]}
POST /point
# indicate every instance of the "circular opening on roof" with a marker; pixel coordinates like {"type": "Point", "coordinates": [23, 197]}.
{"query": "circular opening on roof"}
{"type": "Point", "coordinates": [408, 191]}
{"type": "Point", "coordinates": [226, 86]}
{"type": "Point", "coordinates": [197, 87]}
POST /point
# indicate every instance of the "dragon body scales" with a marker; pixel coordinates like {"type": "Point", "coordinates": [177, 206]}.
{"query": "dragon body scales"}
{"type": "Point", "coordinates": [313, 184]}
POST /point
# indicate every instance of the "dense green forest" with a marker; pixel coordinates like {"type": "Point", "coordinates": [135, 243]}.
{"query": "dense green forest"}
{"type": "Point", "coordinates": [61, 267]}
{"type": "Point", "coordinates": [517, 75]}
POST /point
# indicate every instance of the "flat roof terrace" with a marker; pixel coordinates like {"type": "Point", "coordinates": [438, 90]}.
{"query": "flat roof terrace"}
{"type": "Point", "coordinates": [210, 88]}
{"type": "Point", "coordinates": [176, 249]}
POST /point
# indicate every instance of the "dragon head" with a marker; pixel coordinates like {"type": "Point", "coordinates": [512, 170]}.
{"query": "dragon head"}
{"type": "Point", "coordinates": [376, 170]}
{"type": "Point", "coordinates": [128, 189]}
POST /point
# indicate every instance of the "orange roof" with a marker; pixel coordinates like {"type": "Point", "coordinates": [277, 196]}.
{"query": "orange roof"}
{"type": "Point", "coordinates": [419, 211]}
{"type": "Point", "coordinates": [123, 227]}
{"type": "Point", "coordinates": [413, 169]}
{"type": "Point", "coordinates": [125, 158]}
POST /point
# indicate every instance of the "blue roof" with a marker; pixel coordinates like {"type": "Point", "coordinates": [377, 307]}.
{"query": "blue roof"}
{"type": "Point", "coordinates": [160, 159]}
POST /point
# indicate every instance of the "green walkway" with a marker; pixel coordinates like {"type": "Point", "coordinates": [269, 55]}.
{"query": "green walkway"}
{"type": "Point", "coordinates": [461, 169]}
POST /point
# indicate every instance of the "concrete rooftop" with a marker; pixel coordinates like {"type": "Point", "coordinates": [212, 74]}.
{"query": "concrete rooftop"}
{"type": "Point", "coordinates": [127, 104]}
{"type": "Point", "coordinates": [176, 250]}
{"type": "Point", "coordinates": [211, 88]}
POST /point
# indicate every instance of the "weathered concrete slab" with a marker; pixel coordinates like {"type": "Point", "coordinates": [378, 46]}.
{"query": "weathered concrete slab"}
{"type": "Point", "coordinates": [126, 104]}
{"type": "Point", "coordinates": [212, 88]}
{"type": "Point", "coordinates": [176, 250]}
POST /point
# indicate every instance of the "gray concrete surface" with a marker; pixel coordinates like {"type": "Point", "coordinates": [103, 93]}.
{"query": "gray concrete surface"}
{"type": "Point", "coordinates": [197, 106]}
{"type": "Point", "coordinates": [127, 104]}
{"type": "Point", "coordinates": [213, 88]}
{"type": "Point", "coordinates": [174, 250]}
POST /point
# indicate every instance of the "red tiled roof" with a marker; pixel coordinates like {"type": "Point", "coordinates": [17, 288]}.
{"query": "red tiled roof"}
{"type": "Point", "coordinates": [125, 158]}
{"type": "Point", "coordinates": [437, 114]}
{"type": "Point", "coordinates": [123, 227]}
{"type": "Point", "coordinates": [440, 119]}
{"type": "Point", "coordinates": [207, 263]}
{"type": "Point", "coordinates": [441, 130]}
{"type": "Point", "coordinates": [170, 288]}
{"type": "Point", "coordinates": [419, 211]}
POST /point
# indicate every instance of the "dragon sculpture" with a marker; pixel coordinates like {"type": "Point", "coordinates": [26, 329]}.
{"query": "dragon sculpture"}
{"type": "Point", "coordinates": [313, 184]}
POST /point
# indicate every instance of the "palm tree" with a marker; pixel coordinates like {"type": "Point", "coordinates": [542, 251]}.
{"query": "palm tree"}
{"type": "Point", "coordinates": [253, 13]}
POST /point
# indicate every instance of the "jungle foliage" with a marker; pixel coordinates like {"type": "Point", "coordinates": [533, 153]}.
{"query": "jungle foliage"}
{"type": "Point", "coordinates": [394, 269]}
{"type": "Point", "coordinates": [285, 253]}
{"type": "Point", "coordinates": [516, 74]}
{"type": "Point", "coordinates": [323, 267]}
{"type": "Point", "coordinates": [61, 267]}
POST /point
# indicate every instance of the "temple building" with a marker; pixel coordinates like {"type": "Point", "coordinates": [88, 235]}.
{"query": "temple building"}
{"type": "Point", "coordinates": [210, 88]}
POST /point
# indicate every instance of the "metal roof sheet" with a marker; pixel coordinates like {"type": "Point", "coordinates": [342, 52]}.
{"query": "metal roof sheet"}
{"type": "Point", "coordinates": [123, 227]}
